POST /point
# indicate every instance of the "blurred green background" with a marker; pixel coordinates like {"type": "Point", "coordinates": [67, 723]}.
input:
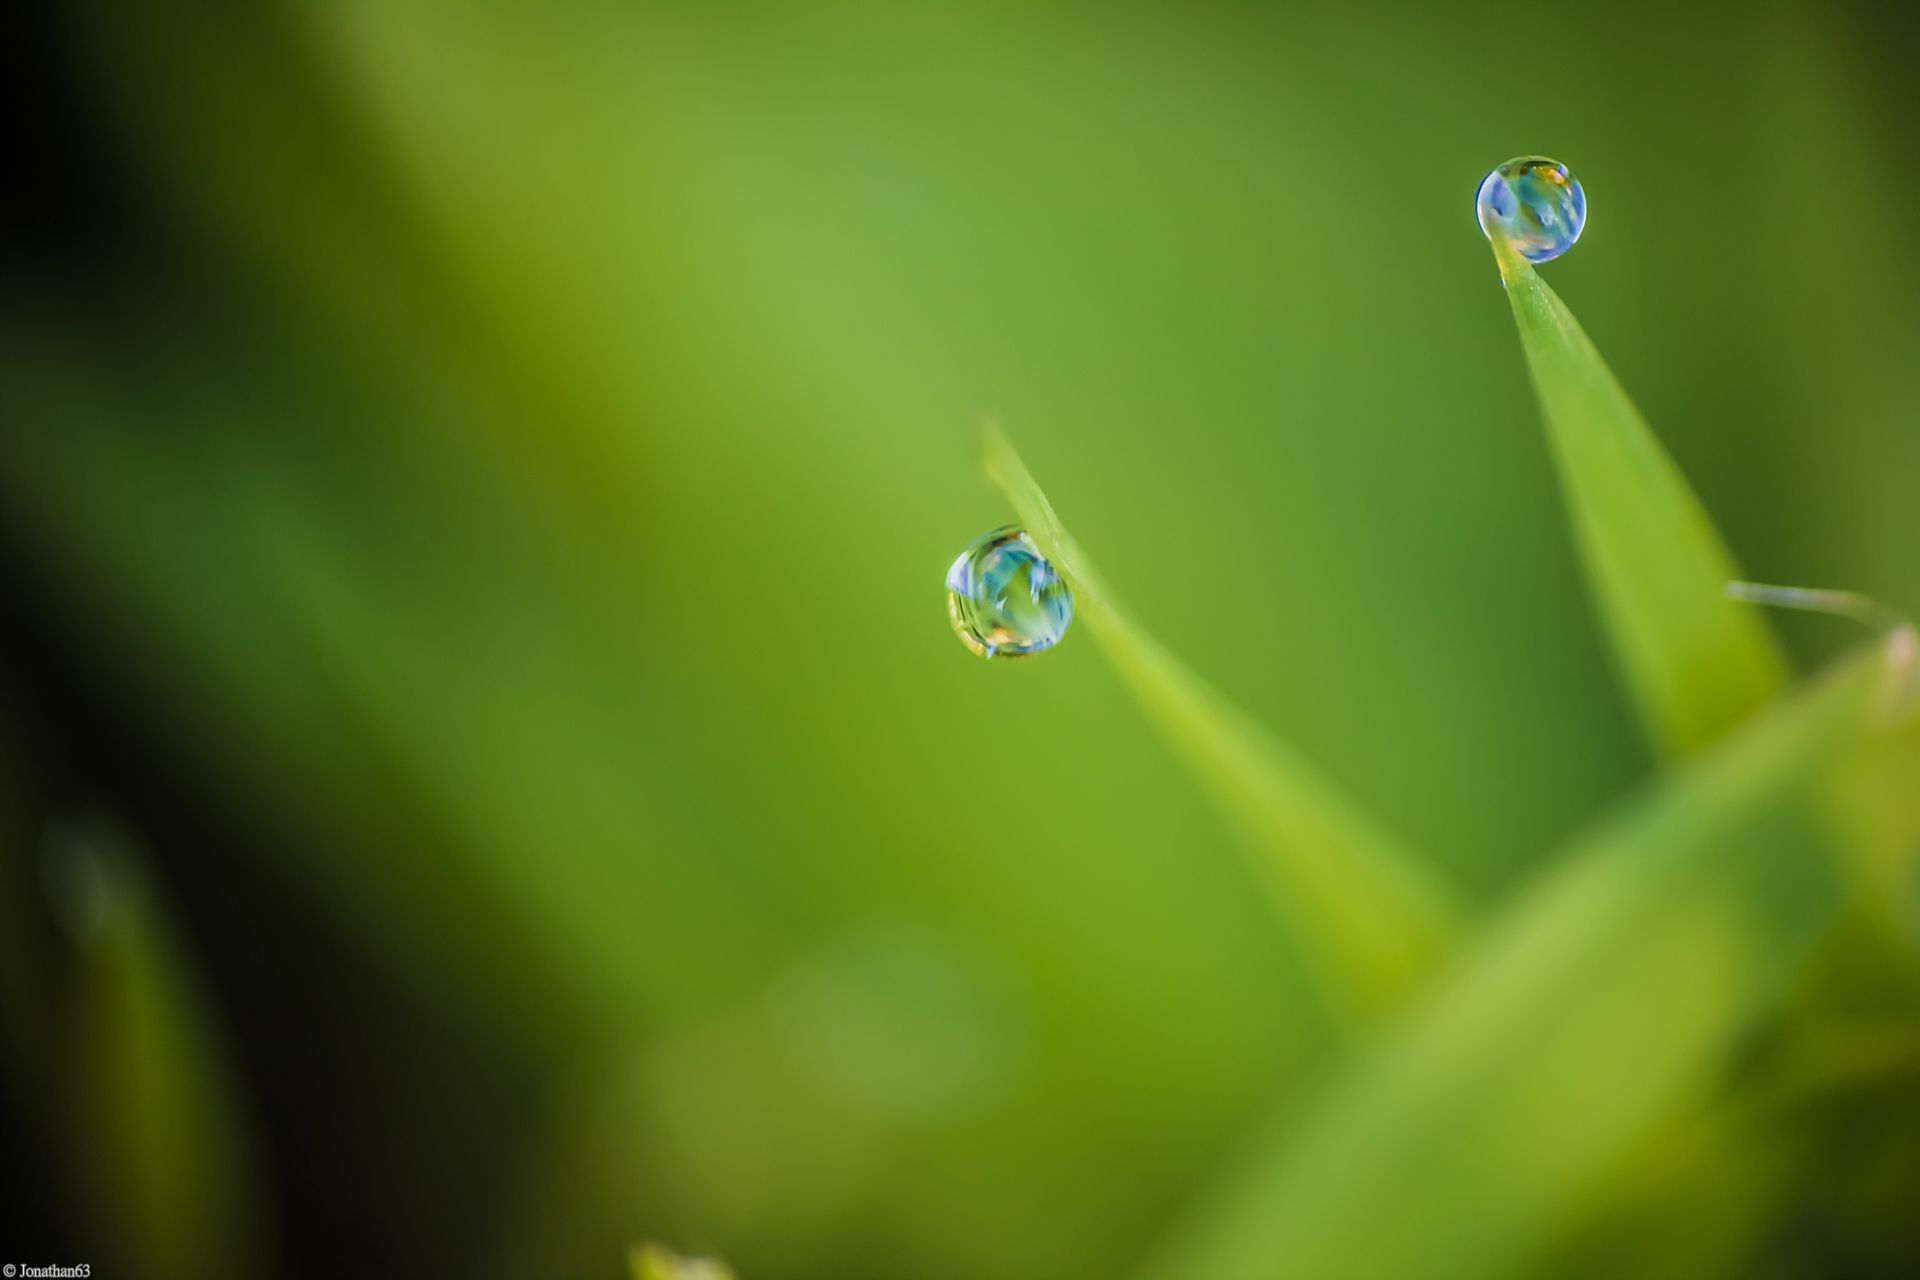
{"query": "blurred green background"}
{"type": "Point", "coordinates": [484, 774]}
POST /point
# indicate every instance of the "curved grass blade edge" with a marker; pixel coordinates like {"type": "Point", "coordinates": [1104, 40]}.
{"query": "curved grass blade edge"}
{"type": "Point", "coordinates": [1374, 920]}
{"type": "Point", "coordinates": [1695, 663]}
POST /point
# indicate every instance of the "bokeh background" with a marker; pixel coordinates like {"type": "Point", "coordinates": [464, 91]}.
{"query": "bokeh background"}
{"type": "Point", "coordinates": [484, 774]}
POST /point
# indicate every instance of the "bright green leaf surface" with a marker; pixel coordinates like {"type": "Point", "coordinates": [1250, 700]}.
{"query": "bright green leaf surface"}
{"type": "Point", "coordinates": [1372, 917]}
{"type": "Point", "coordinates": [1695, 662]}
{"type": "Point", "coordinates": [1605, 1002]}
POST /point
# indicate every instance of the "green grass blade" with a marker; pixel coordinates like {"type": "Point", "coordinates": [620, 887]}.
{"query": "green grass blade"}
{"type": "Point", "coordinates": [1370, 915]}
{"type": "Point", "coordinates": [160, 1150]}
{"type": "Point", "coordinates": [1593, 1013]}
{"type": "Point", "coordinates": [1864, 610]}
{"type": "Point", "coordinates": [1695, 662]}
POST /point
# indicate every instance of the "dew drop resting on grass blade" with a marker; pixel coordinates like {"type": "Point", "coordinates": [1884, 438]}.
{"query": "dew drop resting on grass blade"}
{"type": "Point", "coordinates": [1004, 597]}
{"type": "Point", "coordinates": [1535, 204]}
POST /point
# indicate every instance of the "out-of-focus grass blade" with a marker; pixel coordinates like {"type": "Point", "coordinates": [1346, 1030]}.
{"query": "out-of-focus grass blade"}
{"type": "Point", "coordinates": [1713, 1193]}
{"type": "Point", "coordinates": [1864, 610]}
{"type": "Point", "coordinates": [157, 1146]}
{"type": "Point", "coordinates": [651, 1262]}
{"type": "Point", "coordinates": [1694, 661]}
{"type": "Point", "coordinates": [1601, 1005]}
{"type": "Point", "coordinates": [1371, 916]}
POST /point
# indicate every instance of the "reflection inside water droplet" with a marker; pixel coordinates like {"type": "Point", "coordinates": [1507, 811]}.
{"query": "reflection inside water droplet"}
{"type": "Point", "coordinates": [1535, 204]}
{"type": "Point", "coordinates": [1005, 599]}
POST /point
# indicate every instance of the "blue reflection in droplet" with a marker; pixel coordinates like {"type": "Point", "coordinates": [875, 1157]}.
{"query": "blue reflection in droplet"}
{"type": "Point", "coordinates": [1005, 599]}
{"type": "Point", "coordinates": [1534, 204]}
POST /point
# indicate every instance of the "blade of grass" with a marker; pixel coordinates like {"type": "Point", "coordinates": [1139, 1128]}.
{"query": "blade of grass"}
{"type": "Point", "coordinates": [1372, 918]}
{"type": "Point", "coordinates": [1694, 662]}
{"type": "Point", "coordinates": [1864, 610]}
{"type": "Point", "coordinates": [160, 1153]}
{"type": "Point", "coordinates": [1598, 1006]}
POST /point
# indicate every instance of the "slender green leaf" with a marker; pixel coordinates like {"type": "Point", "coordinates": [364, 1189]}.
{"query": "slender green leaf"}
{"type": "Point", "coordinates": [1373, 918]}
{"type": "Point", "coordinates": [1601, 1005]}
{"type": "Point", "coordinates": [1864, 610]}
{"type": "Point", "coordinates": [1695, 663]}
{"type": "Point", "coordinates": [158, 1146]}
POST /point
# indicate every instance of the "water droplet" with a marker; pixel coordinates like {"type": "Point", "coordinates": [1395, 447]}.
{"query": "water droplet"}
{"type": "Point", "coordinates": [1005, 599]}
{"type": "Point", "coordinates": [1536, 204]}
